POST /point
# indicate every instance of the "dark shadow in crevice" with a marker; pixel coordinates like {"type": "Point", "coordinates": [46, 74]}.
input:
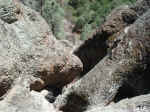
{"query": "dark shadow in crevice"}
{"type": "Point", "coordinates": [126, 91]}
{"type": "Point", "coordinates": [75, 103]}
{"type": "Point", "coordinates": [53, 93]}
{"type": "Point", "coordinates": [92, 51]}
{"type": "Point", "coordinates": [135, 87]}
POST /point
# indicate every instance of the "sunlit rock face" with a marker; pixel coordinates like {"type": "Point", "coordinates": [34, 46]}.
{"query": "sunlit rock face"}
{"type": "Point", "coordinates": [28, 47]}
{"type": "Point", "coordinates": [21, 99]}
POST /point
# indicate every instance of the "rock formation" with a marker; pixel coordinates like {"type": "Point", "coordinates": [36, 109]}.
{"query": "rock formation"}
{"type": "Point", "coordinates": [141, 6]}
{"type": "Point", "coordinates": [39, 73]}
{"type": "Point", "coordinates": [20, 99]}
{"type": "Point", "coordinates": [28, 47]}
{"type": "Point", "coordinates": [126, 61]}
{"type": "Point", "coordinates": [94, 49]}
{"type": "Point", "coordinates": [54, 14]}
{"type": "Point", "coordinates": [136, 104]}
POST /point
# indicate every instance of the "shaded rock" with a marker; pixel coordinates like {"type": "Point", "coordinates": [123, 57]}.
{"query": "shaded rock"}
{"type": "Point", "coordinates": [59, 71]}
{"type": "Point", "coordinates": [28, 47]}
{"type": "Point", "coordinates": [139, 86]}
{"type": "Point", "coordinates": [94, 49]}
{"type": "Point", "coordinates": [141, 6]}
{"type": "Point", "coordinates": [49, 95]}
{"type": "Point", "coordinates": [126, 61]}
{"type": "Point", "coordinates": [9, 11]}
{"type": "Point", "coordinates": [104, 39]}
{"type": "Point", "coordinates": [118, 20]}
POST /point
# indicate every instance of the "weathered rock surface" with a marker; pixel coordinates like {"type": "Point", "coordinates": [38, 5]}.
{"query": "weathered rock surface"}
{"type": "Point", "coordinates": [94, 49]}
{"type": "Point", "coordinates": [136, 104]}
{"type": "Point", "coordinates": [31, 59]}
{"type": "Point", "coordinates": [103, 40]}
{"type": "Point", "coordinates": [33, 4]}
{"type": "Point", "coordinates": [51, 11]}
{"type": "Point", "coordinates": [27, 46]}
{"type": "Point", "coordinates": [9, 11]}
{"type": "Point", "coordinates": [20, 99]}
{"type": "Point", "coordinates": [118, 20]}
{"type": "Point", "coordinates": [141, 6]}
{"type": "Point", "coordinates": [127, 59]}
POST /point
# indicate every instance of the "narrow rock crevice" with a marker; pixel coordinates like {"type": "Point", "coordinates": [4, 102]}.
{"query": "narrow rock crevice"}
{"type": "Point", "coordinates": [136, 87]}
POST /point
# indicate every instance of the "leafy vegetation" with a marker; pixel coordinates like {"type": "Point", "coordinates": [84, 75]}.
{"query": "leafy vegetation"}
{"type": "Point", "coordinates": [93, 11]}
{"type": "Point", "coordinates": [54, 15]}
{"type": "Point", "coordinates": [89, 14]}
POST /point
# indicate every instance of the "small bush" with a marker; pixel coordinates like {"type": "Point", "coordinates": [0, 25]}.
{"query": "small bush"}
{"type": "Point", "coordinates": [87, 32]}
{"type": "Point", "coordinates": [93, 12]}
{"type": "Point", "coordinates": [54, 15]}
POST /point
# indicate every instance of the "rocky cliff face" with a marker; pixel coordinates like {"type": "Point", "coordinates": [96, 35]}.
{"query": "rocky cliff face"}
{"type": "Point", "coordinates": [101, 42]}
{"type": "Point", "coordinates": [125, 62]}
{"type": "Point", "coordinates": [39, 73]}
{"type": "Point", "coordinates": [29, 48]}
{"type": "Point", "coordinates": [54, 15]}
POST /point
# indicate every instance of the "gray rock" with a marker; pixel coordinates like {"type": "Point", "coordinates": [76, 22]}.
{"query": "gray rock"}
{"type": "Point", "coordinates": [95, 48]}
{"type": "Point", "coordinates": [54, 14]}
{"type": "Point", "coordinates": [28, 47]}
{"type": "Point", "coordinates": [141, 6]}
{"type": "Point", "coordinates": [127, 59]}
{"type": "Point", "coordinates": [136, 104]}
{"type": "Point", "coordinates": [102, 41]}
{"type": "Point", "coordinates": [34, 4]}
{"type": "Point", "coordinates": [21, 99]}
{"type": "Point", "coordinates": [9, 11]}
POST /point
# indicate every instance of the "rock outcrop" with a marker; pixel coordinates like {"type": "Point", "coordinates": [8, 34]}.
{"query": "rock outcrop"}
{"type": "Point", "coordinates": [95, 48]}
{"type": "Point", "coordinates": [35, 66]}
{"type": "Point", "coordinates": [136, 104]}
{"type": "Point", "coordinates": [53, 13]}
{"type": "Point", "coordinates": [9, 11]}
{"type": "Point", "coordinates": [28, 47]}
{"type": "Point", "coordinates": [141, 6]}
{"type": "Point", "coordinates": [102, 41]}
{"type": "Point", "coordinates": [20, 99]}
{"type": "Point", "coordinates": [126, 61]}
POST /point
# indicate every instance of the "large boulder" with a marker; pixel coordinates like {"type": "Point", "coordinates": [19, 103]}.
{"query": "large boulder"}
{"type": "Point", "coordinates": [118, 19]}
{"type": "Point", "coordinates": [28, 47]}
{"type": "Point", "coordinates": [95, 48]}
{"type": "Point", "coordinates": [124, 63]}
{"type": "Point", "coordinates": [54, 14]}
{"type": "Point", "coordinates": [103, 40]}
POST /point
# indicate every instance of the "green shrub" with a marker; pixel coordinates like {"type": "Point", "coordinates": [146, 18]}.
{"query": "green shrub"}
{"type": "Point", "coordinates": [93, 12]}
{"type": "Point", "coordinates": [54, 15]}
{"type": "Point", "coordinates": [85, 14]}
{"type": "Point", "coordinates": [87, 32]}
